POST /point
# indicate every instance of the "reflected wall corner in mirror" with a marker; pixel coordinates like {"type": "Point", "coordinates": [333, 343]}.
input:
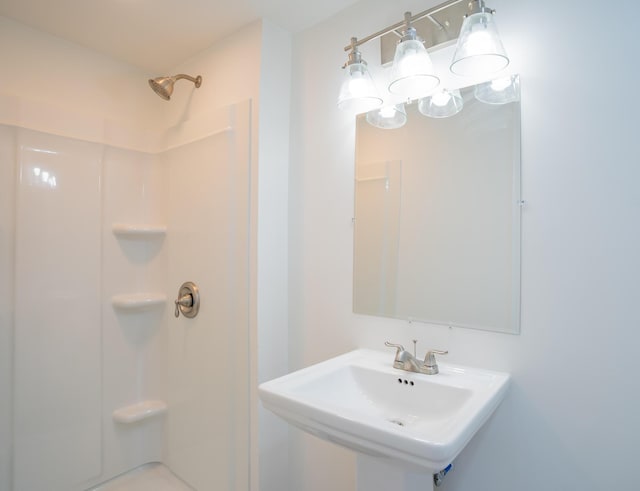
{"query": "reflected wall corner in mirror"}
{"type": "Point", "coordinates": [437, 208]}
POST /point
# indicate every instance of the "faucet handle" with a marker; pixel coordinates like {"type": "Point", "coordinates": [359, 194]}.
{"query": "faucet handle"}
{"type": "Point", "coordinates": [430, 365]}
{"type": "Point", "coordinates": [397, 361]}
{"type": "Point", "coordinates": [398, 347]}
{"type": "Point", "coordinates": [437, 352]}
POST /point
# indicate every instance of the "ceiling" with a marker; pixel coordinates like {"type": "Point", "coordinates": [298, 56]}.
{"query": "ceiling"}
{"type": "Point", "coordinates": [157, 35]}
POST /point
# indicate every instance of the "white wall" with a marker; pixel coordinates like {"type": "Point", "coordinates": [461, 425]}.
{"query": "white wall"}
{"type": "Point", "coordinates": [272, 274]}
{"type": "Point", "coordinates": [58, 74]}
{"type": "Point", "coordinates": [570, 418]}
{"type": "Point", "coordinates": [230, 72]}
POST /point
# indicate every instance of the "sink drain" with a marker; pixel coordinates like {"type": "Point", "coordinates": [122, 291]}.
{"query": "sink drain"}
{"type": "Point", "coordinates": [396, 422]}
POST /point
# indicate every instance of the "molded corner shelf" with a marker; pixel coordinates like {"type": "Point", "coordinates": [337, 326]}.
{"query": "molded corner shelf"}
{"type": "Point", "coordinates": [133, 231]}
{"type": "Point", "coordinates": [139, 411]}
{"type": "Point", "coordinates": [138, 302]}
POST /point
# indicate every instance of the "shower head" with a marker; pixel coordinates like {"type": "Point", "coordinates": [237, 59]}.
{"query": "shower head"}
{"type": "Point", "coordinates": [163, 86]}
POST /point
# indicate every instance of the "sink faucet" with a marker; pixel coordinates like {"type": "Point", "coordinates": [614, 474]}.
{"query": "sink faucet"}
{"type": "Point", "coordinates": [408, 362]}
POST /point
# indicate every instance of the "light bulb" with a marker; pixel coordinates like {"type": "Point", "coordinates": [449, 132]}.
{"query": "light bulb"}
{"type": "Point", "coordinates": [480, 38]}
{"type": "Point", "coordinates": [443, 104]}
{"type": "Point", "coordinates": [413, 62]}
{"type": "Point", "coordinates": [500, 84]}
{"type": "Point", "coordinates": [441, 98]}
{"type": "Point", "coordinates": [388, 111]}
{"type": "Point", "coordinates": [358, 93]}
{"type": "Point", "coordinates": [388, 117]}
{"type": "Point", "coordinates": [357, 83]}
{"type": "Point", "coordinates": [412, 73]}
{"type": "Point", "coordinates": [501, 90]}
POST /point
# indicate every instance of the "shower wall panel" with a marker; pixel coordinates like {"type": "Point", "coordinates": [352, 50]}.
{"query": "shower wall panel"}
{"type": "Point", "coordinates": [68, 358]}
{"type": "Point", "coordinates": [134, 343]}
{"type": "Point", "coordinates": [57, 350]}
{"type": "Point", "coordinates": [208, 243]}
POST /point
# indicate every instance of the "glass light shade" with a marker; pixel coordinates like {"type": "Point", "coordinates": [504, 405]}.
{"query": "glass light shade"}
{"type": "Point", "coordinates": [442, 104]}
{"type": "Point", "coordinates": [479, 50]}
{"type": "Point", "coordinates": [358, 93]}
{"type": "Point", "coordinates": [412, 74]}
{"type": "Point", "coordinates": [499, 91]}
{"type": "Point", "coordinates": [388, 118]}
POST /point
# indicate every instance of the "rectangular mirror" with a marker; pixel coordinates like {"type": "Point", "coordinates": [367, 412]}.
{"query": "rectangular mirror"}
{"type": "Point", "coordinates": [437, 218]}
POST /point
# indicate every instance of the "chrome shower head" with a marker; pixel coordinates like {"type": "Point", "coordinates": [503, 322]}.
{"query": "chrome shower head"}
{"type": "Point", "coordinates": [163, 86]}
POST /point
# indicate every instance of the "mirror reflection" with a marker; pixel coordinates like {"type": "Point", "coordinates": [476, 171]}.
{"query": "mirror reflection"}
{"type": "Point", "coordinates": [437, 208]}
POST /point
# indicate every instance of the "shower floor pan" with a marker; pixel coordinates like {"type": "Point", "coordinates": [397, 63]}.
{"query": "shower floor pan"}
{"type": "Point", "coordinates": [149, 477]}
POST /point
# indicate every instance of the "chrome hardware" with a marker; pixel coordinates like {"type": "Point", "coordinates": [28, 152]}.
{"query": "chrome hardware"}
{"type": "Point", "coordinates": [398, 362]}
{"type": "Point", "coordinates": [408, 362]}
{"type": "Point", "coordinates": [404, 360]}
{"type": "Point", "coordinates": [430, 366]}
{"type": "Point", "coordinates": [398, 347]}
{"type": "Point", "coordinates": [188, 301]}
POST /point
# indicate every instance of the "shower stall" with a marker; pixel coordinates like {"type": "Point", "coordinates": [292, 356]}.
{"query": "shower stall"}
{"type": "Point", "coordinates": [96, 236]}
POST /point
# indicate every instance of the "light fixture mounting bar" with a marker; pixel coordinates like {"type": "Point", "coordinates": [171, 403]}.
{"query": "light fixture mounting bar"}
{"type": "Point", "coordinates": [398, 25]}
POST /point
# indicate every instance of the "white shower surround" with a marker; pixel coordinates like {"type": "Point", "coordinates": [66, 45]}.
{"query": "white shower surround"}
{"type": "Point", "coordinates": [76, 359]}
{"type": "Point", "coordinates": [89, 83]}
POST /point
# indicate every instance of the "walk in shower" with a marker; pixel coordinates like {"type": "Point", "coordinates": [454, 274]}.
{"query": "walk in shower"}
{"type": "Point", "coordinates": [98, 376]}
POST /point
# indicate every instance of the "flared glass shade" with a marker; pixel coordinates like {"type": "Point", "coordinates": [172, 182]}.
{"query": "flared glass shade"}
{"type": "Point", "coordinates": [412, 74]}
{"type": "Point", "coordinates": [441, 104]}
{"type": "Point", "coordinates": [499, 91]}
{"type": "Point", "coordinates": [358, 93]}
{"type": "Point", "coordinates": [388, 118]}
{"type": "Point", "coordinates": [479, 50]}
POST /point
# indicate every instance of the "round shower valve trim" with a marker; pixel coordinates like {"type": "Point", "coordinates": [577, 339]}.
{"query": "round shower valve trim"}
{"type": "Point", "coordinates": [188, 301]}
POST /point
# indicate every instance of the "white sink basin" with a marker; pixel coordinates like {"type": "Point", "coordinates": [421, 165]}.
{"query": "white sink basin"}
{"type": "Point", "coordinates": [358, 400]}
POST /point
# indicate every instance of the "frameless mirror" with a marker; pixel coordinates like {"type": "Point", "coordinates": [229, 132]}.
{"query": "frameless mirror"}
{"type": "Point", "coordinates": [437, 217]}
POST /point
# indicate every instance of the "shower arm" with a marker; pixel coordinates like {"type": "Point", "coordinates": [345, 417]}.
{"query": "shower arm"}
{"type": "Point", "coordinates": [196, 80]}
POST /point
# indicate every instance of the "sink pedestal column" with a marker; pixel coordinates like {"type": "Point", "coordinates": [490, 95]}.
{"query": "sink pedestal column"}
{"type": "Point", "coordinates": [375, 474]}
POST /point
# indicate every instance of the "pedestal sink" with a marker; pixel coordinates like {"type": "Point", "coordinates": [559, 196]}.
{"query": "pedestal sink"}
{"type": "Point", "coordinates": [358, 400]}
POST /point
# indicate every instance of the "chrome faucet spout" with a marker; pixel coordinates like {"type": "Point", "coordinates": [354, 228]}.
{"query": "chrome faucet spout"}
{"type": "Point", "coordinates": [408, 362]}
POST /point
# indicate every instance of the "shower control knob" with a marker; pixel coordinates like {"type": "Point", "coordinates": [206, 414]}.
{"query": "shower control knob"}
{"type": "Point", "coordinates": [184, 301]}
{"type": "Point", "coordinates": [188, 301]}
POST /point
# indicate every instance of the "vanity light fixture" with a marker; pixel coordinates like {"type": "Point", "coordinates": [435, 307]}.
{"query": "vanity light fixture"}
{"type": "Point", "coordinates": [412, 74]}
{"type": "Point", "coordinates": [479, 50]}
{"type": "Point", "coordinates": [388, 117]}
{"type": "Point", "coordinates": [358, 93]}
{"type": "Point", "coordinates": [442, 104]}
